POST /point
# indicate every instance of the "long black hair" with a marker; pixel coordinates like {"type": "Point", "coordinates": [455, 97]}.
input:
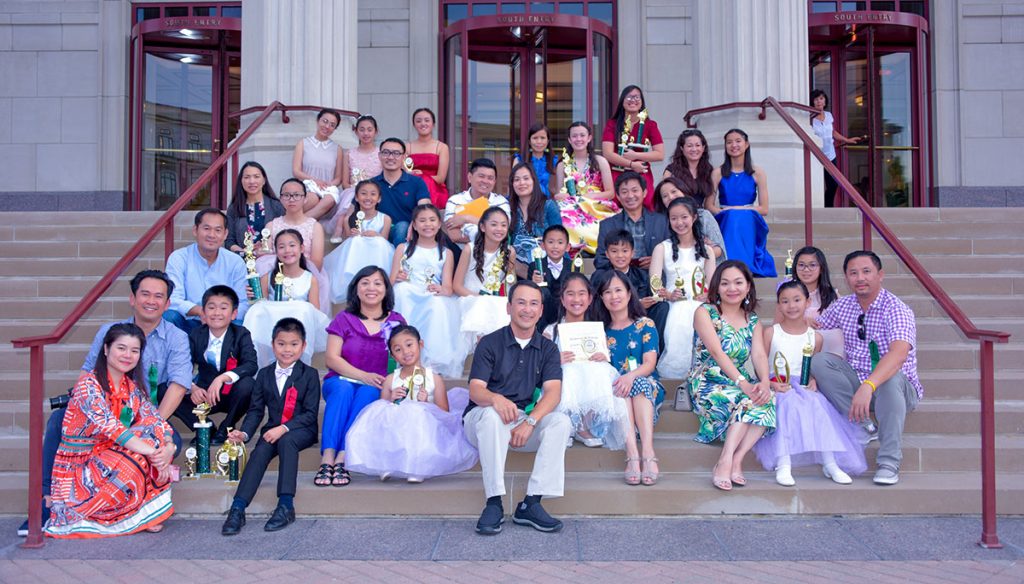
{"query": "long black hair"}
{"type": "Point", "coordinates": [748, 161]}
{"type": "Point", "coordinates": [620, 108]}
{"type": "Point", "coordinates": [826, 290]}
{"type": "Point", "coordinates": [277, 264]}
{"type": "Point", "coordinates": [115, 332]}
{"type": "Point", "coordinates": [635, 310]}
{"type": "Point", "coordinates": [535, 209]}
{"type": "Point", "coordinates": [593, 164]}
{"type": "Point", "coordinates": [355, 306]}
{"type": "Point", "coordinates": [749, 303]}
{"type": "Point", "coordinates": [442, 238]}
{"type": "Point", "coordinates": [679, 167]}
{"type": "Point", "coordinates": [480, 240]}
{"type": "Point", "coordinates": [238, 200]}
{"type": "Point", "coordinates": [526, 153]}
{"type": "Point", "coordinates": [698, 230]}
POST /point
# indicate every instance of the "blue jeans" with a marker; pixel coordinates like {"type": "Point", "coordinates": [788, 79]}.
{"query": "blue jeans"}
{"type": "Point", "coordinates": [399, 230]}
{"type": "Point", "coordinates": [344, 400]}
{"type": "Point", "coordinates": [186, 324]}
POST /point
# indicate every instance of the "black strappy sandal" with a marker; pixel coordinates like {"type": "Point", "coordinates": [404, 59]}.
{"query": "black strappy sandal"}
{"type": "Point", "coordinates": [325, 476]}
{"type": "Point", "coordinates": [341, 476]}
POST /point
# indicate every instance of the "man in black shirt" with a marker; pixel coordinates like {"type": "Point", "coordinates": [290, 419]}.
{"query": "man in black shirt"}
{"type": "Point", "coordinates": [514, 386]}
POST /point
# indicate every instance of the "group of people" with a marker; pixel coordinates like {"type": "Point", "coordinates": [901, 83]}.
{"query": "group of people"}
{"type": "Point", "coordinates": [427, 279]}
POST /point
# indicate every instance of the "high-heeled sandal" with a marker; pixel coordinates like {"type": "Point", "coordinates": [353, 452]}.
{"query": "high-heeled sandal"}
{"type": "Point", "coordinates": [722, 484]}
{"type": "Point", "coordinates": [738, 479]}
{"type": "Point", "coordinates": [648, 478]}
{"type": "Point", "coordinates": [632, 478]}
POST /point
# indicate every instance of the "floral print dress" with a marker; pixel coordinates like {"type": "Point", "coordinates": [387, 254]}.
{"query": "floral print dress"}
{"type": "Point", "coordinates": [631, 344]}
{"type": "Point", "coordinates": [581, 214]}
{"type": "Point", "coordinates": [717, 401]}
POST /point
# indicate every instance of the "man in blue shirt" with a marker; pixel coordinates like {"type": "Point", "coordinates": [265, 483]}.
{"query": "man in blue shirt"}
{"type": "Point", "coordinates": [197, 267]}
{"type": "Point", "coordinates": [400, 191]}
{"type": "Point", "coordinates": [165, 358]}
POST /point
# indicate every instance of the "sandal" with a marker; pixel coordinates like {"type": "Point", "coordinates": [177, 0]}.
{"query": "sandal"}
{"type": "Point", "coordinates": [324, 476]}
{"type": "Point", "coordinates": [632, 478]}
{"type": "Point", "coordinates": [738, 479]}
{"type": "Point", "coordinates": [155, 528]}
{"type": "Point", "coordinates": [647, 477]}
{"type": "Point", "coordinates": [341, 476]}
{"type": "Point", "coordinates": [722, 484]}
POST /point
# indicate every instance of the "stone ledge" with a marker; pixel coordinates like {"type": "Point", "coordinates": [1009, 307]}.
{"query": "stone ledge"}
{"type": "Point", "coordinates": [63, 201]}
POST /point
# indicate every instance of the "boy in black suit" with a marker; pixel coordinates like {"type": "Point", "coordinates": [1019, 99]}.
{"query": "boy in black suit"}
{"type": "Point", "coordinates": [556, 265]}
{"type": "Point", "coordinates": [225, 360]}
{"type": "Point", "coordinates": [619, 250]}
{"type": "Point", "coordinates": [289, 390]}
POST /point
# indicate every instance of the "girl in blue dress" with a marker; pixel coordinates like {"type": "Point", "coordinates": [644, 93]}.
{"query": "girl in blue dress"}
{"type": "Point", "coordinates": [740, 205]}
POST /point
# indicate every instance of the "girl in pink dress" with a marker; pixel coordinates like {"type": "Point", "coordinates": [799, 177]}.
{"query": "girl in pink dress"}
{"type": "Point", "coordinates": [429, 157]}
{"type": "Point", "coordinates": [359, 164]}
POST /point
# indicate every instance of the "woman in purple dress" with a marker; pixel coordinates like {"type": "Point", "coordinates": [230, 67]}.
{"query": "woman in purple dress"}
{"type": "Point", "coordinates": [357, 357]}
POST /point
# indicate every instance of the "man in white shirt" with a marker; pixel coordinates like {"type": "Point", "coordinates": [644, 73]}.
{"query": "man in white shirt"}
{"type": "Point", "coordinates": [462, 227]}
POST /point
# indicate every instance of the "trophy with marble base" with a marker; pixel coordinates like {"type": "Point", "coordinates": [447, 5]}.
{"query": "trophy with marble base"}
{"type": "Point", "coordinates": [251, 277]}
{"type": "Point", "coordinates": [231, 461]}
{"type": "Point", "coordinates": [538, 263]}
{"type": "Point", "coordinates": [204, 428]}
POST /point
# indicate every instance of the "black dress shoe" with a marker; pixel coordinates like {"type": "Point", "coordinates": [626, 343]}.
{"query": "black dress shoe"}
{"type": "Point", "coordinates": [219, 438]}
{"type": "Point", "coordinates": [535, 516]}
{"type": "Point", "coordinates": [233, 524]}
{"type": "Point", "coordinates": [490, 520]}
{"type": "Point", "coordinates": [281, 518]}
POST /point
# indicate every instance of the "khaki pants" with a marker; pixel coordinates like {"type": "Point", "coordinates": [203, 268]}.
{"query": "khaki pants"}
{"type": "Point", "coordinates": [490, 436]}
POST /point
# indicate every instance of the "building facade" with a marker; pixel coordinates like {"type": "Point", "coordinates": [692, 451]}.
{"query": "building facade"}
{"type": "Point", "coordinates": [113, 104]}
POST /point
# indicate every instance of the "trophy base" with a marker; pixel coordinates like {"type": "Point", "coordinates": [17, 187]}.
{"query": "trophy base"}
{"type": "Point", "coordinates": [190, 478]}
{"type": "Point", "coordinates": [230, 482]}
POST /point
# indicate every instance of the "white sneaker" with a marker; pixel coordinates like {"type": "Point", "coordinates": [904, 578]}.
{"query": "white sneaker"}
{"type": "Point", "coordinates": [837, 475]}
{"type": "Point", "coordinates": [568, 443]}
{"type": "Point", "coordinates": [784, 476]}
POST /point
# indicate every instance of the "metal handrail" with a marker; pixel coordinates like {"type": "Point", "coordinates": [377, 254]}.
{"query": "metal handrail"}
{"type": "Point", "coordinates": [871, 219]}
{"type": "Point", "coordinates": [37, 344]}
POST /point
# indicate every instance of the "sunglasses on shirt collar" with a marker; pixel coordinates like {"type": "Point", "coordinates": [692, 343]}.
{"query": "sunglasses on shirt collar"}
{"type": "Point", "coordinates": [862, 331]}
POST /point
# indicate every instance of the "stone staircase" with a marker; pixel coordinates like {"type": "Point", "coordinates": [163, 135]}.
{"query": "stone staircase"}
{"type": "Point", "coordinates": [976, 254]}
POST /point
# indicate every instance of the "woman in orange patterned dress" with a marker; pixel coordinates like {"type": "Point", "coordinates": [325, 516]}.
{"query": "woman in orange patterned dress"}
{"type": "Point", "coordinates": [112, 472]}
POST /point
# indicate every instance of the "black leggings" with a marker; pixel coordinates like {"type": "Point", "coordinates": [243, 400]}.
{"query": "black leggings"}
{"type": "Point", "coordinates": [831, 186]}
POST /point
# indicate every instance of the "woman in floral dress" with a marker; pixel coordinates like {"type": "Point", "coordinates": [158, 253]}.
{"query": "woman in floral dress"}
{"type": "Point", "coordinates": [730, 406]}
{"type": "Point", "coordinates": [584, 190]}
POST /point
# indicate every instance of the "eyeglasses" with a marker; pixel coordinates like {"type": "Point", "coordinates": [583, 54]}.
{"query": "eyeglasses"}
{"type": "Point", "coordinates": [292, 196]}
{"type": "Point", "coordinates": [862, 331]}
{"type": "Point", "coordinates": [633, 98]}
{"type": "Point", "coordinates": [391, 153]}
{"type": "Point", "coordinates": [807, 267]}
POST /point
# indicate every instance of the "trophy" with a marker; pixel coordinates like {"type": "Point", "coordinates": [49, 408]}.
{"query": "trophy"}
{"type": "Point", "coordinates": [203, 429]}
{"type": "Point", "coordinates": [153, 377]}
{"type": "Point", "coordinates": [697, 281]}
{"type": "Point", "coordinates": [230, 461]}
{"type": "Point", "coordinates": [680, 282]}
{"type": "Point", "coordinates": [190, 464]}
{"type": "Point", "coordinates": [538, 263]}
{"type": "Point", "coordinates": [577, 264]}
{"type": "Point", "coordinates": [656, 286]}
{"type": "Point", "coordinates": [624, 139]}
{"type": "Point", "coordinates": [569, 169]}
{"type": "Point", "coordinates": [428, 277]}
{"type": "Point", "coordinates": [789, 263]}
{"type": "Point", "coordinates": [288, 285]}
{"type": "Point", "coordinates": [279, 282]}
{"type": "Point", "coordinates": [491, 285]}
{"type": "Point", "coordinates": [357, 175]}
{"type": "Point", "coordinates": [642, 116]}
{"type": "Point", "coordinates": [407, 267]}
{"type": "Point", "coordinates": [266, 239]}
{"type": "Point", "coordinates": [805, 363]}
{"type": "Point", "coordinates": [360, 217]}
{"type": "Point", "coordinates": [251, 277]}
{"type": "Point", "coordinates": [413, 385]}
{"type": "Point", "coordinates": [510, 280]}
{"type": "Point", "coordinates": [780, 365]}
{"type": "Point", "coordinates": [408, 164]}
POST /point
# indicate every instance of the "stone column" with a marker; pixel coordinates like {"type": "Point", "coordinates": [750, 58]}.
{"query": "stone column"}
{"type": "Point", "coordinates": [301, 52]}
{"type": "Point", "coordinates": [748, 50]}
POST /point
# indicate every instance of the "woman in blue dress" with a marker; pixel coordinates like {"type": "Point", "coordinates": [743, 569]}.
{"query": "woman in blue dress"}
{"type": "Point", "coordinates": [540, 157]}
{"type": "Point", "coordinates": [741, 204]}
{"type": "Point", "coordinates": [531, 214]}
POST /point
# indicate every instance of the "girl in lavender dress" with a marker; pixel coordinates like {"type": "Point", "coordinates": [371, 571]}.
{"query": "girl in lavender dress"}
{"type": "Point", "coordinates": [359, 164]}
{"type": "Point", "coordinates": [317, 162]}
{"type": "Point", "coordinates": [414, 431]}
{"type": "Point", "coordinates": [808, 429]}
{"type": "Point", "coordinates": [366, 242]}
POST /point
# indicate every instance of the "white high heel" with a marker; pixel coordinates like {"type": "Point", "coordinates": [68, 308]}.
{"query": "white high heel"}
{"type": "Point", "coordinates": [835, 473]}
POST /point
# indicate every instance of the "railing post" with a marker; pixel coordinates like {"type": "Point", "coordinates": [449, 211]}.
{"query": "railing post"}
{"type": "Point", "coordinates": [168, 239]}
{"type": "Point", "coordinates": [989, 538]}
{"type": "Point", "coordinates": [35, 448]}
{"type": "Point", "coordinates": [808, 223]}
{"type": "Point", "coordinates": [865, 231]}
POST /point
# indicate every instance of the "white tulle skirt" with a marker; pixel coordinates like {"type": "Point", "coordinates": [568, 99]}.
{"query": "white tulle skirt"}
{"type": "Point", "coordinates": [437, 318]}
{"type": "Point", "coordinates": [588, 399]}
{"type": "Point", "coordinates": [482, 315]}
{"type": "Point", "coordinates": [262, 316]}
{"type": "Point", "coordinates": [264, 264]}
{"type": "Point", "coordinates": [675, 360]}
{"type": "Point", "coordinates": [410, 439]}
{"type": "Point", "coordinates": [353, 255]}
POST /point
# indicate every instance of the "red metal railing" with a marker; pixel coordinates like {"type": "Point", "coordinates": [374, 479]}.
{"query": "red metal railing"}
{"type": "Point", "coordinates": [870, 219]}
{"type": "Point", "coordinates": [36, 344]}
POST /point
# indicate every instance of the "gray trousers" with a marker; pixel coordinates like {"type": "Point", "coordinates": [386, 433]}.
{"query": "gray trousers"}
{"type": "Point", "coordinates": [837, 381]}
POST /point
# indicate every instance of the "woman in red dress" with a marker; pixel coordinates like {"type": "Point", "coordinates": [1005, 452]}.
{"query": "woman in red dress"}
{"type": "Point", "coordinates": [633, 108]}
{"type": "Point", "coordinates": [429, 156]}
{"type": "Point", "coordinates": [112, 472]}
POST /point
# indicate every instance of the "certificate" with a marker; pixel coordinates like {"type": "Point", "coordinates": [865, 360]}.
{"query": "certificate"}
{"type": "Point", "coordinates": [583, 339]}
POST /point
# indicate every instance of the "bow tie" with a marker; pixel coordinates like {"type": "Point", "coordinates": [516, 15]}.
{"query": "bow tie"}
{"type": "Point", "coordinates": [285, 372]}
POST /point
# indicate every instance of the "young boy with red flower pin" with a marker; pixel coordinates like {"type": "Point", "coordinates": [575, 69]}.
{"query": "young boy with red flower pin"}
{"type": "Point", "coordinates": [289, 391]}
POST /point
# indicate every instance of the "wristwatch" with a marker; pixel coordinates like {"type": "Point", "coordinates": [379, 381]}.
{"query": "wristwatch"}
{"type": "Point", "coordinates": [531, 421]}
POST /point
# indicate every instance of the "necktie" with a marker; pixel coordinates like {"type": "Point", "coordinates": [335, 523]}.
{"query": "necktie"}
{"type": "Point", "coordinates": [213, 353]}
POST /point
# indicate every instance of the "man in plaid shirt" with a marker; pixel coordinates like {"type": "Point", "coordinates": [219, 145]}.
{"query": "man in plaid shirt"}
{"type": "Point", "coordinates": [880, 369]}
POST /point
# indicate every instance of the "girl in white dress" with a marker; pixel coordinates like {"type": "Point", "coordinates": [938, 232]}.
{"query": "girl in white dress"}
{"type": "Point", "coordinates": [366, 242]}
{"type": "Point", "coordinates": [414, 431]}
{"type": "Point", "coordinates": [296, 296]}
{"type": "Point", "coordinates": [484, 277]}
{"type": "Point", "coordinates": [682, 262]}
{"type": "Point", "coordinates": [598, 416]}
{"type": "Point", "coordinates": [421, 272]}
